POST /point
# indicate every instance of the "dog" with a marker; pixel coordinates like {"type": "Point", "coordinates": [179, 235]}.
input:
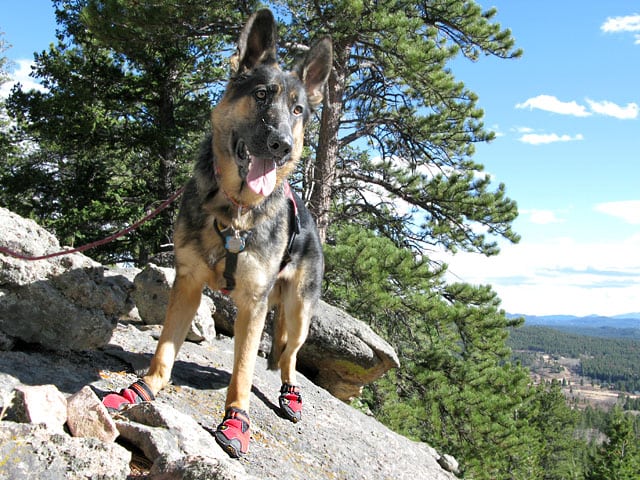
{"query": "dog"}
{"type": "Point", "coordinates": [241, 229]}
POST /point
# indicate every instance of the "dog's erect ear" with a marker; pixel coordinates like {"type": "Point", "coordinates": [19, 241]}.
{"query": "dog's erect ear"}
{"type": "Point", "coordinates": [315, 70]}
{"type": "Point", "coordinates": [257, 43]}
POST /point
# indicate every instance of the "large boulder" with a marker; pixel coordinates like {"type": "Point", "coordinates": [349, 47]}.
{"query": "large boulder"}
{"type": "Point", "coordinates": [64, 302]}
{"type": "Point", "coordinates": [172, 434]}
{"type": "Point", "coordinates": [32, 451]}
{"type": "Point", "coordinates": [342, 354]}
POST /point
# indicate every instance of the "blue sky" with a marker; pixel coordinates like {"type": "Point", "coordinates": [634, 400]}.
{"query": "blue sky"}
{"type": "Point", "coordinates": [567, 119]}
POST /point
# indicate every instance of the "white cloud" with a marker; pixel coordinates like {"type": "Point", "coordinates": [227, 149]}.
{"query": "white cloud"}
{"type": "Point", "coordinates": [628, 210]}
{"type": "Point", "coordinates": [544, 138]}
{"type": "Point", "coordinates": [629, 23]}
{"type": "Point", "coordinates": [550, 103]}
{"type": "Point", "coordinates": [630, 111]}
{"type": "Point", "coordinates": [558, 276]}
{"type": "Point", "coordinates": [20, 75]}
{"type": "Point", "coordinates": [542, 217]}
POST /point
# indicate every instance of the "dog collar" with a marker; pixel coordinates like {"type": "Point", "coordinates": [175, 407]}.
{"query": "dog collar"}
{"type": "Point", "coordinates": [236, 203]}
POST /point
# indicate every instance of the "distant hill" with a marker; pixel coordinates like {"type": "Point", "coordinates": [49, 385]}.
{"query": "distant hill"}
{"type": "Point", "coordinates": [619, 326]}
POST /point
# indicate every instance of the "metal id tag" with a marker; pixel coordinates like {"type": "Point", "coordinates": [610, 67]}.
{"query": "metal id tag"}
{"type": "Point", "coordinates": [234, 243]}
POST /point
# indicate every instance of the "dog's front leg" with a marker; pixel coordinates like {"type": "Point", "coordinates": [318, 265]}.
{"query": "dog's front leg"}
{"type": "Point", "coordinates": [247, 332]}
{"type": "Point", "coordinates": [233, 433]}
{"type": "Point", "coordinates": [183, 304]}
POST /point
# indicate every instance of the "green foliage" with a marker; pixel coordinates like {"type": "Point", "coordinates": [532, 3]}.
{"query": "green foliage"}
{"type": "Point", "coordinates": [456, 388]}
{"type": "Point", "coordinates": [129, 89]}
{"type": "Point", "coordinates": [398, 130]}
{"type": "Point", "coordinates": [619, 456]}
{"type": "Point", "coordinates": [368, 275]}
{"type": "Point", "coordinates": [562, 455]}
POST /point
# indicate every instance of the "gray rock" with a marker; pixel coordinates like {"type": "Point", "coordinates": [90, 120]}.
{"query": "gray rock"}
{"type": "Point", "coordinates": [31, 451]}
{"type": "Point", "coordinates": [67, 300]}
{"type": "Point", "coordinates": [121, 282]}
{"type": "Point", "coordinates": [449, 463]}
{"type": "Point", "coordinates": [88, 417]}
{"type": "Point", "coordinates": [332, 441]}
{"type": "Point", "coordinates": [6, 342]}
{"type": "Point", "coordinates": [176, 444]}
{"type": "Point", "coordinates": [344, 353]}
{"type": "Point", "coordinates": [151, 296]}
{"type": "Point", "coordinates": [317, 448]}
{"type": "Point", "coordinates": [225, 313]}
{"type": "Point", "coordinates": [40, 404]}
{"type": "Point", "coordinates": [162, 430]}
{"type": "Point", "coordinates": [197, 468]}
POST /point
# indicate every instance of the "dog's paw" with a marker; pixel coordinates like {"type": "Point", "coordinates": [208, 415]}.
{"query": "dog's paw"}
{"type": "Point", "coordinates": [137, 392]}
{"type": "Point", "coordinates": [290, 402]}
{"type": "Point", "coordinates": [233, 433]}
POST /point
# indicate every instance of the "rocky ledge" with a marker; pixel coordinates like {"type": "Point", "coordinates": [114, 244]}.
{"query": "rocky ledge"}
{"type": "Point", "coordinates": [71, 330]}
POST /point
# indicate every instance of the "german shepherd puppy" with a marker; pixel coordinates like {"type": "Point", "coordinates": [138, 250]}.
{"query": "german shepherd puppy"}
{"type": "Point", "coordinates": [242, 231]}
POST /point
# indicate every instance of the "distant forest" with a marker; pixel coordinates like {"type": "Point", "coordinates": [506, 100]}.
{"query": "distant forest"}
{"type": "Point", "coordinates": [613, 362]}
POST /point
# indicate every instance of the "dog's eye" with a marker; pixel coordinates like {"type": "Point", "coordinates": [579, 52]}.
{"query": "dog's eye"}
{"type": "Point", "coordinates": [298, 109]}
{"type": "Point", "coordinates": [261, 93]}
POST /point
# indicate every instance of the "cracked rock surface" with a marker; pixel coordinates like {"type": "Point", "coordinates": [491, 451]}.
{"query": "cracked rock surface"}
{"type": "Point", "coordinates": [332, 441]}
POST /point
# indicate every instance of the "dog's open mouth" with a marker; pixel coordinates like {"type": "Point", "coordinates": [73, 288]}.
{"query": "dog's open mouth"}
{"type": "Point", "coordinates": [261, 177]}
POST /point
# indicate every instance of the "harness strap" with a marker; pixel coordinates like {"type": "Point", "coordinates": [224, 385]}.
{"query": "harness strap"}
{"type": "Point", "coordinates": [235, 242]}
{"type": "Point", "coordinates": [294, 226]}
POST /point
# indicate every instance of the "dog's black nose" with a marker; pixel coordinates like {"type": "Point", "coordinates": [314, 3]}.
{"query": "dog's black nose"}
{"type": "Point", "coordinates": [279, 144]}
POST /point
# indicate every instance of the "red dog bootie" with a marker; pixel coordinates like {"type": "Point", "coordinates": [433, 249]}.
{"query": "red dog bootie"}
{"type": "Point", "coordinates": [233, 433]}
{"type": "Point", "coordinates": [137, 392]}
{"type": "Point", "coordinates": [291, 402]}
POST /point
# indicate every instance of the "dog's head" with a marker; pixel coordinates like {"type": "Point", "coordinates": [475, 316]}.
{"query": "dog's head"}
{"type": "Point", "coordinates": [258, 126]}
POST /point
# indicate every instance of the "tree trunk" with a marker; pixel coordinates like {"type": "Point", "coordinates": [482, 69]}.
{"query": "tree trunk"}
{"type": "Point", "coordinates": [324, 174]}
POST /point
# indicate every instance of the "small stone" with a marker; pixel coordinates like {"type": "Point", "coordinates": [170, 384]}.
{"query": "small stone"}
{"type": "Point", "coordinates": [160, 429]}
{"type": "Point", "coordinates": [449, 463]}
{"type": "Point", "coordinates": [198, 468]}
{"type": "Point", "coordinates": [41, 404]}
{"type": "Point", "coordinates": [88, 417]}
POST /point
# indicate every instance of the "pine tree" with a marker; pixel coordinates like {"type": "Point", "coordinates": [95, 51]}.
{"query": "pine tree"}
{"type": "Point", "coordinates": [130, 84]}
{"type": "Point", "coordinates": [619, 457]}
{"type": "Point", "coordinates": [561, 454]}
{"type": "Point", "coordinates": [456, 388]}
{"type": "Point", "coordinates": [129, 91]}
{"type": "Point", "coordinates": [397, 131]}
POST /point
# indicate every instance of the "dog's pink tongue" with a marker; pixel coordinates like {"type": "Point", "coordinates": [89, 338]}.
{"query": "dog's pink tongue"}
{"type": "Point", "coordinates": [262, 176]}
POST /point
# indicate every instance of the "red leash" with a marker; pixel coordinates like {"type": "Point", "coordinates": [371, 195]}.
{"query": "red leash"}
{"type": "Point", "coordinates": [97, 243]}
